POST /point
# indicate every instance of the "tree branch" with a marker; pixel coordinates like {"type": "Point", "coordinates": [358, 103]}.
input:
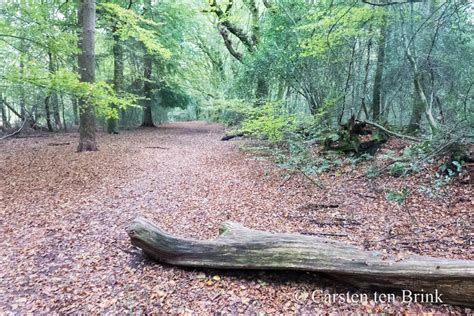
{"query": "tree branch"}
{"type": "Point", "coordinates": [238, 32]}
{"type": "Point", "coordinates": [391, 133]}
{"type": "Point", "coordinates": [11, 108]}
{"type": "Point", "coordinates": [228, 43]}
{"type": "Point", "coordinates": [15, 132]}
{"type": "Point", "coordinates": [252, 6]}
{"type": "Point", "coordinates": [24, 38]}
{"type": "Point", "coordinates": [388, 3]}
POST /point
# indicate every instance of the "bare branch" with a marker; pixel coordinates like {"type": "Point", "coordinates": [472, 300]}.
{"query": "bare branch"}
{"type": "Point", "coordinates": [391, 133]}
{"type": "Point", "coordinates": [388, 3]}
{"type": "Point", "coordinates": [15, 132]}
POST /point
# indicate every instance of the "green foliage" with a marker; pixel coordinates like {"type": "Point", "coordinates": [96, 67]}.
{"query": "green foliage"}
{"type": "Point", "coordinates": [355, 160]}
{"type": "Point", "coordinates": [340, 23]}
{"type": "Point", "coordinates": [443, 177]}
{"type": "Point", "coordinates": [372, 171]}
{"type": "Point", "coordinates": [398, 169]}
{"type": "Point", "coordinates": [268, 122]}
{"type": "Point", "coordinates": [173, 97]}
{"type": "Point", "coordinates": [100, 94]}
{"type": "Point", "coordinates": [297, 157]}
{"type": "Point", "coordinates": [231, 112]}
{"type": "Point", "coordinates": [396, 196]}
{"type": "Point", "coordinates": [130, 24]}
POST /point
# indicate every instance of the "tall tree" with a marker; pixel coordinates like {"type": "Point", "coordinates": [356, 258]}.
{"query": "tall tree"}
{"type": "Point", "coordinates": [420, 101]}
{"type": "Point", "coordinates": [377, 90]}
{"type": "Point", "coordinates": [112, 125]}
{"type": "Point", "coordinates": [147, 72]}
{"type": "Point", "coordinates": [147, 92]}
{"type": "Point", "coordinates": [86, 20]}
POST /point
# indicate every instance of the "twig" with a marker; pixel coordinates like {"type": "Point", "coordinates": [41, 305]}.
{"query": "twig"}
{"type": "Point", "coordinates": [338, 222]}
{"type": "Point", "coordinates": [156, 147]}
{"type": "Point", "coordinates": [286, 180]}
{"type": "Point", "coordinates": [58, 144]}
{"type": "Point", "coordinates": [318, 184]}
{"type": "Point", "coordinates": [317, 206]}
{"type": "Point", "coordinates": [364, 195]}
{"type": "Point", "coordinates": [419, 241]}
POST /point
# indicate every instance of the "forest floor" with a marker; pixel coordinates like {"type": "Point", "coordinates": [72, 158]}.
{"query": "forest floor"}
{"type": "Point", "coordinates": [63, 217]}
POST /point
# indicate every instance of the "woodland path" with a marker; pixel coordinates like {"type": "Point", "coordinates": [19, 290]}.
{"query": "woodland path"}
{"type": "Point", "coordinates": [63, 245]}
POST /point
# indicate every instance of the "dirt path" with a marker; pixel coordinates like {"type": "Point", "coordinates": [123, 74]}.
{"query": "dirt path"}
{"type": "Point", "coordinates": [63, 215]}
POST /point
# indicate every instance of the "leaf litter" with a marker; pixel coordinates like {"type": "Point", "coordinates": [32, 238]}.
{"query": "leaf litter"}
{"type": "Point", "coordinates": [63, 218]}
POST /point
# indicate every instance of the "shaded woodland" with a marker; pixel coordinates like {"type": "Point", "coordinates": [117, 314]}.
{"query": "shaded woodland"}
{"type": "Point", "coordinates": [340, 123]}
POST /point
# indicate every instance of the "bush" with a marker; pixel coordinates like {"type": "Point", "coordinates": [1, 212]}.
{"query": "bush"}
{"type": "Point", "coordinates": [398, 169]}
{"type": "Point", "coordinates": [268, 122]}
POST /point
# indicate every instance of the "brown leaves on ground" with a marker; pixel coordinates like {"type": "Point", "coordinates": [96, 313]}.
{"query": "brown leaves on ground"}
{"type": "Point", "coordinates": [63, 217]}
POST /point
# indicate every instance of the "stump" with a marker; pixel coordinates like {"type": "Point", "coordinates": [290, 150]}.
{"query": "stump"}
{"type": "Point", "coordinates": [238, 247]}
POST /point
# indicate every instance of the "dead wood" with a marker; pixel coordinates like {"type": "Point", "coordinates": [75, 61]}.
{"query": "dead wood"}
{"type": "Point", "coordinates": [238, 247]}
{"type": "Point", "coordinates": [389, 132]}
{"type": "Point", "coordinates": [58, 144]}
{"type": "Point", "coordinates": [229, 137]}
{"type": "Point", "coordinates": [18, 131]}
{"type": "Point", "coordinates": [156, 147]}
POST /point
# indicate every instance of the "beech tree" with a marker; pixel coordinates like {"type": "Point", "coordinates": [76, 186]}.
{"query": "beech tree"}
{"type": "Point", "coordinates": [86, 20]}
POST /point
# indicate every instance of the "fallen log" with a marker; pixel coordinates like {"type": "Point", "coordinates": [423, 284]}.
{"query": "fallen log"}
{"type": "Point", "coordinates": [229, 137]}
{"type": "Point", "coordinates": [58, 144]}
{"type": "Point", "coordinates": [238, 247]}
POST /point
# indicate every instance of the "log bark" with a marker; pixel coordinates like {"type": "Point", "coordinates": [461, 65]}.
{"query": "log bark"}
{"type": "Point", "coordinates": [86, 61]}
{"type": "Point", "coordinates": [238, 247]}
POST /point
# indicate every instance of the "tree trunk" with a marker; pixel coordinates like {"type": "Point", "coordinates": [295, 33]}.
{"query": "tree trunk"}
{"type": "Point", "coordinates": [377, 90]}
{"type": "Point", "coordinates": [53, 102]}
{"type": "Point", "coordinates": [417, 110]}
{"type": "Point", "coordinates": [147, 68]}
{"type": "Point", "coordinates": [366, 80]}
{"type": "Point", "coordinates": [241, 248]}
{"type": "Point", "coordinates": [56, 112]}
{"type": "Point", "coordinates": [63, 112]}
{"type": "Point", "coordinates": [5, 103]}
{"type": "Point", "coordinates": [5, 121]}
{"type": "Point", "coordinates": [346, 87]}
{"type": "Point", "coordinates": [86, 18]}
{"type": "Point", "coordinates": [47, 110]}
{"type": "Point", "coordinates": [47, 103]}
{"type": "Point", "coordinates": [112, 123]}
{"type": "Point", "coordinates": [22, 75]}
{"type": "Point", "coordinates": [75, 110]}
{"type": "Point", "coordinates": [420, 102]}
{"type": "Point", "coordinates": [420, 105]}
{"type": "Point", "coordinates": [261, 92]}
